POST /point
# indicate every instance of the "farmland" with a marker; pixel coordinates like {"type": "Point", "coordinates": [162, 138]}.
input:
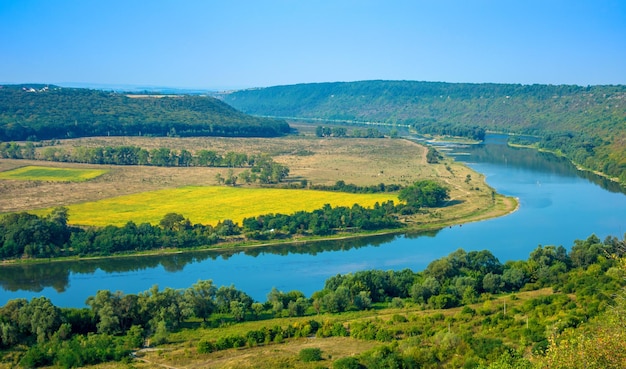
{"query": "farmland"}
{"type": "Point", "coordinates": [144, 193]}
{"type": "Point", "coordinates": [39, 173]}
{"type": "Point", "coordinates": [211, 204]}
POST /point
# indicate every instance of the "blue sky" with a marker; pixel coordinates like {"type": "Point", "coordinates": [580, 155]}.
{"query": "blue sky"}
{"type": "Point", "coordinates": [238, 44]}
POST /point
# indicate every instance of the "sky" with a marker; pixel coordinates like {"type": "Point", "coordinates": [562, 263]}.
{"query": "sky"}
{"type": "Point", "coordinates": [234, 44]}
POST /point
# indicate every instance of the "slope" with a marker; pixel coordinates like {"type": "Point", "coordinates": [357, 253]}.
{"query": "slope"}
{"type": "Point", "coordinates": [51, 112]}
{"type": "Point", "coordinates": [586, 124]}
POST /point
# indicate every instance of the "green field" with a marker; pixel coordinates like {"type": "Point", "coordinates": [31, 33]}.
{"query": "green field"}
{"type": "Point", "coordinates": [208, 205]}
{"type": "Point", "coordinates": [35, 173]}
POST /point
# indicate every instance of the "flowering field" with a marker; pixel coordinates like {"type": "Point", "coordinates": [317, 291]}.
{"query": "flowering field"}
{"type": "Point", "coordinates": [210, 204]}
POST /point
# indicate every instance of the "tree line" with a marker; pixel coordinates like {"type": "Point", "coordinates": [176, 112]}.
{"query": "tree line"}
{"type": "Point", "coordinates": [323, 131]}
{"type": "Point", "coordinates": [263, 168]}
{"type": "Point", "coordinates": [28, 235]}
{"type": "Point", "coordinates": [116, 323]}
{"type": "Point", "coordinates": [56, 112]}
{"type": "Point", "coordinates": [342, 186]}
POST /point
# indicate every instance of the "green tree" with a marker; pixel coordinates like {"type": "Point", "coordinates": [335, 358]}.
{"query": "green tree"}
{"type": "Point", "coordinates": [201, 298]}
{"type": "Point", "coordinates": [174, 222]}
{"type": "Point", "coordinates": [41, 317]}
{"type": "Point", "coordinates": [424, 193]}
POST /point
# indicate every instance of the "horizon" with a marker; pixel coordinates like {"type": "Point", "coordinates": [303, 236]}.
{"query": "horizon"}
{"type": "Point", "coordinates": [121, 87]}
{"type": "Point", "coordinates": [238, 44]}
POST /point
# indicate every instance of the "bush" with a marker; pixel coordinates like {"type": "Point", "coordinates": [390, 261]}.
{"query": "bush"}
{"type": "Point", "coordinates": [347, 363]}
{"type": "Point", "coordinates": [397, 302]}
{"type": "Point", "coordinates": [205, 347]}
{"type": "Point", "coordinates": [310, 354]}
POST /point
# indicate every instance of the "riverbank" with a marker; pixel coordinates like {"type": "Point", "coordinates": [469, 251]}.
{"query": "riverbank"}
{"type": "Point", "coordinates": [362, 162]}
{"type": "Point", "coordinates": [578, 166]}
{"type": "Point", "coordinates": [502, 205]}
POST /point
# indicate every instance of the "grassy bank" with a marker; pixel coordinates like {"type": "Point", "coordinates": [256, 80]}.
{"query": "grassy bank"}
{"type": "Point", "coordinates": [146, 194]}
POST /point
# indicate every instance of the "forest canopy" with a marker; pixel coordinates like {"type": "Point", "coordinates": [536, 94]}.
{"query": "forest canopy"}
{"type": "Point", "coordinates": [49, 112]}
{"type": "Point", "coordinates": [586, 124]}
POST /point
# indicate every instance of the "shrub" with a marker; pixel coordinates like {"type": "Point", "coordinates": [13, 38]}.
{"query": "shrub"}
{"type": "Point", "coordinates": [347, 363]}
{"type": "Point", "coordinates": [205, 347]}
{"type": "Point", "coordinates": [397, 302]}
{"type": "Point", "coordinates": [310, 354]}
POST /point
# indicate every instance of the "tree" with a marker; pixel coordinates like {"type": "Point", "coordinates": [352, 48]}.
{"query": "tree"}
{"type": "Point", "coordinates": [298, 307]}
{"type": "Point", "coordinates": [219, 179]}
{"type": "Point", "coordinates": [277, 299]}
{"type": "Point", "coordinates": [134, 337]}
{"type": "Point", "coordinates": [231, 178]}
{"type": "Point", "coordinates": [492, 283]}
{"type": "Point", "coordinates": [225, 295]}
{"type": "Point", "coordinates": [174, 222]}
{"type": "Point", "coordinates": [200, 298]}
{"type": "Point", "coordinates": [105, 307]}
{"type": "Point", "coordinates": [184, 158]}
{"type": "Point", "coordinates": [41, 317]}
{"type": "Point", "coordinates": [161, 333]}
{"type": "Point", "coordinates": [424, 193]}
{"type": "Point", "coordinates": [238, 309]}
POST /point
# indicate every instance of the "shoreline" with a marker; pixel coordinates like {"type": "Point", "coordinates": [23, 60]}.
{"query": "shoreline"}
{"type": "Point", "coordinates": [502, 206]}
{"type": "Point", "coordinates": [579, 167]}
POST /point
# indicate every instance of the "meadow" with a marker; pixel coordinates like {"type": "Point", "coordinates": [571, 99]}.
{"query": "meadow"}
{"type": "Point", "coordinates": [444, 329]}
{"type": "Point", "coordinates": [211, 204]}
{"type": "Point", "coordinates": [39, 173]}
{"type": "Point", "coordinates": [147, 193]}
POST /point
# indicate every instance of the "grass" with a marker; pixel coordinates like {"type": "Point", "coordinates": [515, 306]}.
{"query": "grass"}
{"type": "Point", "coordinates": [38, 173]}
{"type": "Point", "coordinates": [362, 162]}
{"type": "Point", "coordinates": [210, 204]}
{"type": "Point", "coordinates": [181, 352]}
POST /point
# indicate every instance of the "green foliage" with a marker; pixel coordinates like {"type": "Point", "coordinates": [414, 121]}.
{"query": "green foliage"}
{"type": "Point", "coordinates": [321, 131]}
{"type": "Point", "coordinates": [347, 363]}
{"type": "Point", "coordinates": [205, 347]}
{"type": "Point", "coordinates": [55, 238]}
{"type": "Point", "coordinates": [323, 221]}
{"type": "Point", "coordinates": [310, 354]}
{"type": "Point", "coordinates": [584, 123]}
{"type": "Point", "coordinates": [74, 112]}
{"type": "Point", "coordinates": [342, 186]}
{"type": "Point", "coordinates": [433, 156]}
{"type": "Point", "coordinates": [262, 167]}
{"type": "Point", "coordinates": [426, 193]}
{"type": "Point", "coordinates": [559, 329]}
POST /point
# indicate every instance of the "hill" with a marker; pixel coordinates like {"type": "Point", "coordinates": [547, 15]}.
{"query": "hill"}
{"type": "Point", "coordinates": [586, 124]}
{"type": "Point", "coordinates": [40, 112]}
{"type": "Point", "coordinates": [557, 309]}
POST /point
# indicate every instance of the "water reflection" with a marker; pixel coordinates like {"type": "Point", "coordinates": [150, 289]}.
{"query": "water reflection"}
{"type": "Point", "coordinates": [496, 151]}
{"type": "Point", "coordinates": [36, 277]}
{"type": "Point", "coordinates": [556, 207]}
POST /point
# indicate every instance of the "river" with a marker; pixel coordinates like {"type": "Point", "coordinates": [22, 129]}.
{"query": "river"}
{"type": "Point", "coordinates": [558, 204]}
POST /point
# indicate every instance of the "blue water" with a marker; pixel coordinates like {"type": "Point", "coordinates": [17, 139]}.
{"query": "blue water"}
{"type": "Point", "coordinates": [557, 205]}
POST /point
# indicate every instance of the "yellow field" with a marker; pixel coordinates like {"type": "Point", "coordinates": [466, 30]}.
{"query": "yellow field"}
{"type": "Point", "coordinates": [208, 205]}
{"type": "Point", "coordinates": [37, 173]}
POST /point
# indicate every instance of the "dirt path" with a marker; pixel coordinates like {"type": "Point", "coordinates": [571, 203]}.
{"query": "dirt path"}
{"type": "Point", "coordinates": [142, 359]}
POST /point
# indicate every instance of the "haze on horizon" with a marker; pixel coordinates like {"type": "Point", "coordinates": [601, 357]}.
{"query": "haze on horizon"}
{"type": "Point", "coordinates": [240, 44]}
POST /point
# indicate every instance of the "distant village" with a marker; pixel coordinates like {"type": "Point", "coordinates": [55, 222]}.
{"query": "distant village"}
{"type": "Point", "coordinates": [31, 89]}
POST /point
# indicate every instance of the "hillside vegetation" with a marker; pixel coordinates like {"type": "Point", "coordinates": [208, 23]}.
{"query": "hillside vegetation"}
{"type": "Point", "coordinates": [557, 309]}
{"type": "Point", "coordinates": [586, 124]}
{"type": "Point", "coordinates": [51, 112]}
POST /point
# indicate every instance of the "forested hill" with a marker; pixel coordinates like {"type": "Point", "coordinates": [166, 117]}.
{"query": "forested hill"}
{"type": "Point", "coordinates": [587, 124]}
{"type": "Point", "coordinates": [37, 112]}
